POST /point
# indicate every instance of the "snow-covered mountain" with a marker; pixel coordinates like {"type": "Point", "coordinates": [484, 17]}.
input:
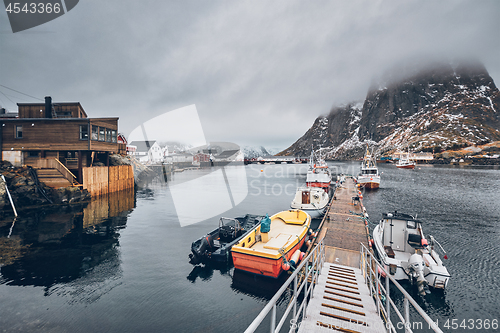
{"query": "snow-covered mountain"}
{"type": "Point", "coordinates": [436, 108]}
{"type": "Point", "coordinates": [254, 152]}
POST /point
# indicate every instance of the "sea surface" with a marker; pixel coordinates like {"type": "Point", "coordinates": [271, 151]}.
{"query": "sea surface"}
{"type": "Point", "coordinates": [120, 264]}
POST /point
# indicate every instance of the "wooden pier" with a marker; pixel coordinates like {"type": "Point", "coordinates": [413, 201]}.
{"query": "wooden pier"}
{"type": "Point", "coordinates": [343, 227]}
{"type": "Point", "coordinates": [342, 301]}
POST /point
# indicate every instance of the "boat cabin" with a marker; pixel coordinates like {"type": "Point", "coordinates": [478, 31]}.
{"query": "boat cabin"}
{"type": "Point", "coordinates": [402, 233]}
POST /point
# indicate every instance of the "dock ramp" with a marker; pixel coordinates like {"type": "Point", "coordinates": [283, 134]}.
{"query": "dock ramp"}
{"type": "Point", "coordinates": [341, 302]}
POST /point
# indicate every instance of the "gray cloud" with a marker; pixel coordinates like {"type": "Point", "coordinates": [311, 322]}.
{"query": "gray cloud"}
{"type": "Point", "coordinates": [259, 72]}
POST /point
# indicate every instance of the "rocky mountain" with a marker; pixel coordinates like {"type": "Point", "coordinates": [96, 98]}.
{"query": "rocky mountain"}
{"type": "Point", "coordinates": [254, 152]}
{"type": "Point", "coordinates": [436, 107]}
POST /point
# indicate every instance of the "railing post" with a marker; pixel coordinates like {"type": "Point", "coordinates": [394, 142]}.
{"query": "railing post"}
{"type": "Point", "coordinates": [295, 296]}
{"type": "Point", "coordinates": [370, 275]}
{"type": "Point", "coordinates": [407, 315]}
{"type": "Point", "coordinates": [305, 294]}
{"type": "Point", "coordinates": [377, 281]}
{"type": "Point", "coordinates": [273, 319]}
{"type": "Point", "coordinates": [387, 302]}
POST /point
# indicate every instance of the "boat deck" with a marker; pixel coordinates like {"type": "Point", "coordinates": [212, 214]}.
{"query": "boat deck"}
{"type": "Point", "coordinates": [280, 234]}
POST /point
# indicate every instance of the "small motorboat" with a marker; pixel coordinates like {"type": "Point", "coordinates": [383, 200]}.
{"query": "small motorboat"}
{"type": "Point", "coordinates": [216, 245]}
{"type": "Point", "coordinates": [313, 200]}
{"type": "Point", "coordinates": [274, 245]}
{"type": "Point", "coordinates": [400, 244]}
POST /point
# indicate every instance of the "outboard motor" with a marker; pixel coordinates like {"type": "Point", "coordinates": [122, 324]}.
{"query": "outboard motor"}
{"type": "Point", "coordinates": [199, 251]}
{"type": "Point", "coordinates": [415, 269]}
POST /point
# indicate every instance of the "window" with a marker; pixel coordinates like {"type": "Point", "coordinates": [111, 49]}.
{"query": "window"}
{"type": "Point", "coordinates": [19, 132]}
{"type": "Point", "coordinates": [108, 135]}
{"type": "Point", "coordinates": [33, 154]}
{"type": "Point", "coordinates": [411, 224]}
{"type": "Point", "coordinates": [113, 136]}
{"type": "Point", "coordinates": [95, 130]}
{"type": "Point", "coordinates": [84, 132]}
{"type": "Point", "coordinates": [102, 133]}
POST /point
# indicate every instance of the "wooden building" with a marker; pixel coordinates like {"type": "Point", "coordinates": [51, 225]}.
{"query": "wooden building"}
{"type": "Point", "coordinates": [60, 133]}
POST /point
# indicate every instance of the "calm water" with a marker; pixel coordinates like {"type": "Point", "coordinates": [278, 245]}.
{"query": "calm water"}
{"type": "Point", "coordinates": [121, 265]}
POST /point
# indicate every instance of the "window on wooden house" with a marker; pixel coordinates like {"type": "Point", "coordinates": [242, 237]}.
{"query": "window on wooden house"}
{"type": "Point", "coordinates": [113, 136]}
{"type": "Point", "coordinates": [102, 133]}
{"type": "Point", "coordinates": [84, 132]}
{"type": "Point", "coordinates": [95, 131]}
{"type": "Point", "coordinates": [33, 154]}
{"type": "Point", "coordinates": [19, 132]}
{"type": "Point", "coordinates": [108, 135]}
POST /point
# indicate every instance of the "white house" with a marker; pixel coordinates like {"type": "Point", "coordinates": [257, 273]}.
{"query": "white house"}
{"type": "Point", "coordinates": [147, 151]}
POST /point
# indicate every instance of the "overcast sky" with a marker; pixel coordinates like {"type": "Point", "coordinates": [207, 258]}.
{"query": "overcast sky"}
{"type": "Point", "coordinates": [259, 72]}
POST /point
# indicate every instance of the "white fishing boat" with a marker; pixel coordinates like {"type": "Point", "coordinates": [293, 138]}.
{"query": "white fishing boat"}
{"type": "Point", "coordinates": [405, 162]}
{"type": "Point", "coordinates": [312, 200]}
{"type": "Point", "coordinates": [369, 176]}
{"type": "Point", "coordinates": [318, 174]}
{"type": "Point", "coordinates": [406, 253]}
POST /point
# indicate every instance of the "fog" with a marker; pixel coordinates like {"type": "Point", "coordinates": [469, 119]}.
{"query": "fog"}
{"type": "Point", "coordinates": [259, 72]}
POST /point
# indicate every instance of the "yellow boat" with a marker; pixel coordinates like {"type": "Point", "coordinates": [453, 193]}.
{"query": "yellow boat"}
{"type": "Point", "coordinates": [262, 252]}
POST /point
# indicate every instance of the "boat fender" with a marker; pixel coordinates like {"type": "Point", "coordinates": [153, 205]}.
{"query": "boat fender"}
{"type": "Point", "coordinates": [381, 272]}
{"type": "Point", "coordinates": [294, 260]}
{"type": "Point", "coordinates": [302, 255]}
{"type": "Point", "coordinates": [361, 196]}
{"type": "Point", "coordinates": [308, 243]}
{"type": "Point", "coordinates": [424, 242]}
{"type": "Point", "coordinates": [285, 266]}
{"type": "Point", "coordinates": [371, 242]}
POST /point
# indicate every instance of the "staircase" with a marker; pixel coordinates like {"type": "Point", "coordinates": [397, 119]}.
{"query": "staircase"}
{"type": "Point", "coordinates": [52, 178]}
{"type": "Point", "coordinates": [341, 303]}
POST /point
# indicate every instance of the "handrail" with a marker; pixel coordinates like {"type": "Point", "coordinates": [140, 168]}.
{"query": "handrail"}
{"type": "Point", "coordinates": [64, 167]}
{"type": "Point", "coordinates": [318, 257]}
{"type": "Point", "coordinates": [373, 271]}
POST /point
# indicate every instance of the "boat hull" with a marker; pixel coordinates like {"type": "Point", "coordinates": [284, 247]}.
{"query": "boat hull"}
{"type": "Point", "coordinates": [372, 182]}
{"type": "Point", "coordinates": [261, 265]}
{"type": "Point", "coordinates": [408, 166]}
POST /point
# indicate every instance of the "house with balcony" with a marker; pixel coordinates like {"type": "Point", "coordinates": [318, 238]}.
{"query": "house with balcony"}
{"type": "Point", "coordinates": [58, 136]}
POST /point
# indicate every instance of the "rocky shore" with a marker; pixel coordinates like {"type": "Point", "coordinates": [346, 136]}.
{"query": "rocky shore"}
{"type": "Point", "coordinates": [25, 192]}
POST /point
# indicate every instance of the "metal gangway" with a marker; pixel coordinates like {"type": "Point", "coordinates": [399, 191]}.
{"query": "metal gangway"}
{"type": "Point", "coordinates": [313, 277]}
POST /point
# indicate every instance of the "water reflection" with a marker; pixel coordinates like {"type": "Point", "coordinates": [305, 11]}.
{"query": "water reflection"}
{"type": "Point", "coordinates": [51, 245]}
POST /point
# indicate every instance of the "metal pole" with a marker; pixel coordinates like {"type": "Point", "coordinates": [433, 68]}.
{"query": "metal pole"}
{"type": "Point", "coordinates": [370, 275]}
{"type": "Point", "coordinates": [295, 297]}
{"type": "Point", "coordinates": [378, 289]}
{"type": "Point", "coordinates": [407, 315]}
{"type": "Point", "coordinates": [10, 198]}
{"type": "Point", "coordinates": [387, 302]}
{"type": "Point", "coordinates": [273, 319]}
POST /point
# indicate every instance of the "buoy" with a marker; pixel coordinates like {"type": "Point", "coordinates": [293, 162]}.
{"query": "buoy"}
{"type": "Point", "coordinates": [359, 192]}
{"type": "Point", "coordinates": [294, 260]}
{"type": "Point", "coordinates": [360, 196]}
{"type": "Point", "coordinates": [308, 243]}
{"type": "Point", "coordinates": [302, 255]}
{"type": "Point", "coordinates": [261, 170]}
{"type": "Point", "coordinates": [285, 266]}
